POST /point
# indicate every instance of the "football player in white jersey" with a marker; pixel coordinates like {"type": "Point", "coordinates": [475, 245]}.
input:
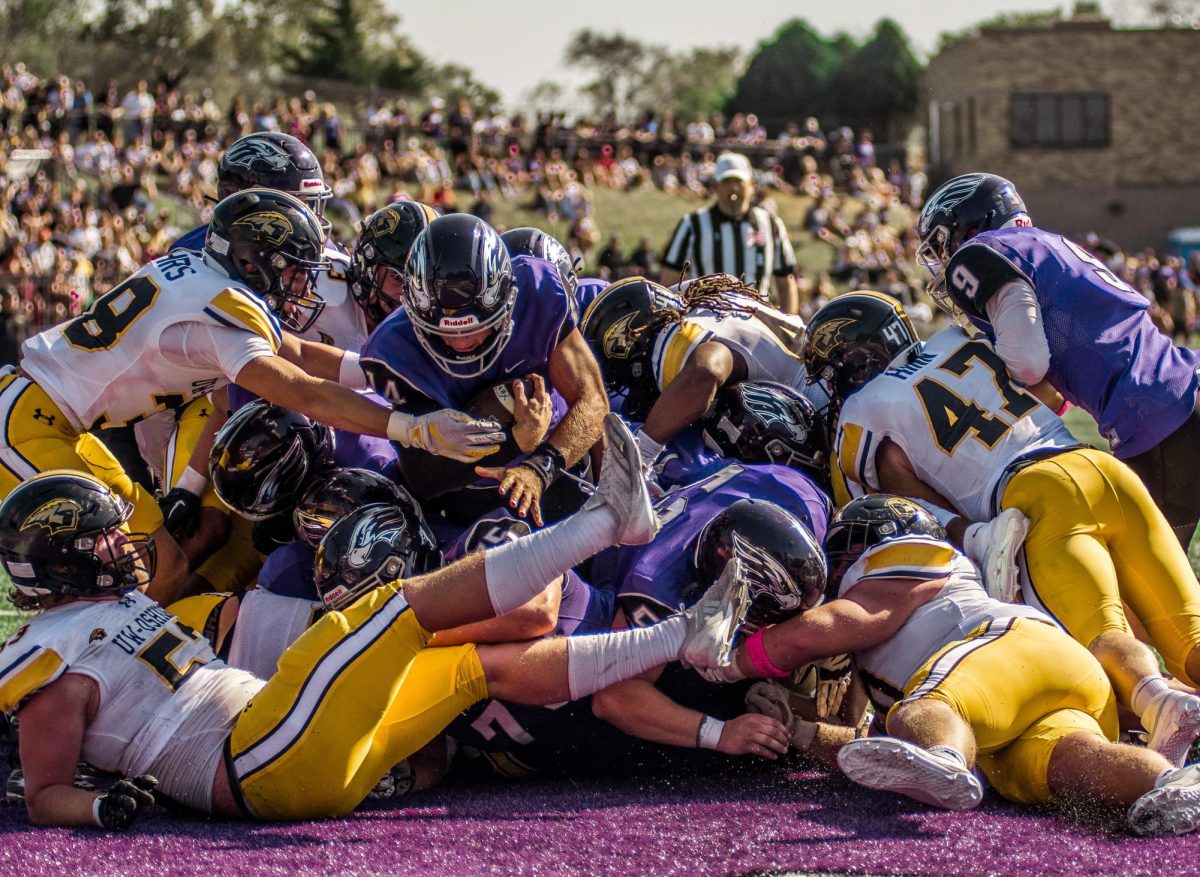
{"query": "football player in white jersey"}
{"type": "Point", "coordinates": [100, 671]}
{"type": "Point", "coordinates": [672, 353]}
{"type": "Point", "coordinates": [963, 679]}
{"type": "Point", "coordinates": [183, 326]}
{"type": "Point", "coordinates": [943, 421]}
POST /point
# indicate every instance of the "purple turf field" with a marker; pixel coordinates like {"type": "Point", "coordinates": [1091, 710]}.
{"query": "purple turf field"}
{"type": "Point", "coordinates": [770, 823]}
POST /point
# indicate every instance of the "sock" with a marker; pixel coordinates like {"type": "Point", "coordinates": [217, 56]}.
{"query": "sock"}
{"type": "Point", "coordinates": [519, 571]}
{"type": "Point", "coordinates": [648, 448]}
{"type": "Point", "coordinates": [951, 753]}
{"type": "Point", "coordinates": [599, 660]}
{"type": "Point", "coordinates": [1148, 688]}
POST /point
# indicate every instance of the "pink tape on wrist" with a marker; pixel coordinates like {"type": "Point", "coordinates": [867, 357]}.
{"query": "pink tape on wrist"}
{"type": "Point", "coordinates": [756, 653]}
{"type": "Point", "coordinates": [1061, 411]}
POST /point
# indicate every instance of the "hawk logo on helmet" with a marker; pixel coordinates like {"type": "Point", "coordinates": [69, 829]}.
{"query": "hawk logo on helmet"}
{"type": "Point", "coordinates": [251, 152]}
{"type": "Point", "coordinates": [770, 407]}
{"type": "Point", "coordinates": [366, 534]}
{"type": "Point", "coordinates": [618, 339]}
{"type": "Point", "coordinates": [767, 577]}
{"type": "Point", "coordinates": [384, 222]}
{"type": "Point", "coordinates": [949, 196]}
{"type": "Point", "coordinates": [902, 507]}
{"type": "Point", "coordinates": [825, 337]}
{"type": "Point", "coordinates": [57, 516]}
{"type": "Point", "coordinates": [270, 226]}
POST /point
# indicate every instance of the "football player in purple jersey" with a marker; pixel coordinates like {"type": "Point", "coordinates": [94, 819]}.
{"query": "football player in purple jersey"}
{"type": "Point", "coordinates": [1071, 330]}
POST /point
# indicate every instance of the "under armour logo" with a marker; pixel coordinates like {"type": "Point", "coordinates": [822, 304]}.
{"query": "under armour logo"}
{"type": "Point", "coordinates": [38, 415]}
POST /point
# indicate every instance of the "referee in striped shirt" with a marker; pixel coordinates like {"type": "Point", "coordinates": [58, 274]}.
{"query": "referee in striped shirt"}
{"type": "Point", "coordinates": [731, 237]}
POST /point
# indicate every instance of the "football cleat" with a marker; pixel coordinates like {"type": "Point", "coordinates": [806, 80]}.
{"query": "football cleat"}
{"type": "Point", "coordinates": [1171, 807]}
{"type": "Point", "coordinates": [993, 547]}
{"type": "Point", "coordinates": [1172, 723]}
{"type": "Point", "coordinates": [713, 624]}
{"type": "Point", "coordinates": [896, 765]}
{"type": "Point", "coordinates": [622, 486]}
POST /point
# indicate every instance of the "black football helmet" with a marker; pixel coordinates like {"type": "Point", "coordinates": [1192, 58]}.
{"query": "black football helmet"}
{"type": "Point", "coordinates": [58, 535]}
{"type": "Point", "coordinates": [256, 236]}
{"type": "Point", "coordinates": [853, 338]}
{"type": "Point", "coordinates": [384, 243]}
{"type": "Point", "coordinates": [271, 160]}
{"type": "Point", "coordinates": [867, 521]}
{"type": "Point", "coordinates": [955, 213]}
{"type": "Point", "coordinates": [783, 562]}
{"type": "Point", "coordinates": [460, 284]}
{"type": "Point", "coordinates": [340, 492]}
{"type": "Point", "coordinates": [621, 324]}
{"type": "Point", "coordinates": [766, 422]}
{"type": "Point", "coordinates": [529, 241]}
{"type": "Point", "coordinates": [264, 457]}
{"type": "Point", "coordinates": [369, 547]}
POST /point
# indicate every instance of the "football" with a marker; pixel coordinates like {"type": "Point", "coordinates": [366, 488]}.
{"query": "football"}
{"type": "Point", "coordinates": [497, 402]}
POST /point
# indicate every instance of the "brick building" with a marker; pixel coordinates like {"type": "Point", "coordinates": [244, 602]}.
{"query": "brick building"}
{"type": "Point", "coordinates": [1099, 128]}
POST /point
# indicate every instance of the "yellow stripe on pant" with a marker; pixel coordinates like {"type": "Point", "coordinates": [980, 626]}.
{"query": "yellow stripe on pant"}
{"type": "Point", "coordinates": [1097, 541]}
{"type": "Point", "coordinates": [1022, 685]}
{"type": "Point", "coordinates": [37, 437]}
{"type": "Point", "coordinates": [355, 694]}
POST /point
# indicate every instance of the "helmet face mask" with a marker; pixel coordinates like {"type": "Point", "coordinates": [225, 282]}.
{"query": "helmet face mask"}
{"type": "Point", "coordinates": [62, 533]}
{"type": "Point", "coordinates": [272, 243]}
{"type": "Point", "coordinates": [377, 277]}
{"type": "Point", "coordinates": [461, 287]}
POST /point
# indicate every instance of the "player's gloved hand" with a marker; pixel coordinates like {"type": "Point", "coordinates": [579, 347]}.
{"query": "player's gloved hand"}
{"type": "Point", "coordinates": [117, 808]}
{"type": "Point", "coordinates": [447, 433]}
{"type": "Point", "coordinates": [993, 547]}
{"type": "Point", "coordinates": [833, 681]}
{"type": "Point", "coordinates": [181, 512]}
{"type": "Point", "coordinates": [754, 734]}
{"type": "Point", "coordinates": [272, 533]}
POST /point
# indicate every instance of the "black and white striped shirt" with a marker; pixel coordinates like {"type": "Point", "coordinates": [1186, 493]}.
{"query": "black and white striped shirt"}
{"type": "Point", "coordinates": [755, 247]}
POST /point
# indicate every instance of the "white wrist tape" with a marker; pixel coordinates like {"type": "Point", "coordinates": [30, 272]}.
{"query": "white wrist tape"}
{"type": "Point", "coordinates": [350, 372]}
{"type": "Point", "coordinates": [192, 481]}
{"type": "Point", "coordinates": [708, 735]}
{"type": "Point", "coordinates": [399, 428]}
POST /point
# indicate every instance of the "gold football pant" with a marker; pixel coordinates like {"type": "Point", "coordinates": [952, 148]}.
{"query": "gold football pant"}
{"type": "Point", "coordinates": [1097, 540]}
{"type": "Point", "coordinates": [1022, 685]}
{"type": "Point", "coordinates": [350, 700]}
{"type": "Point", "coordinates": [37, 437]}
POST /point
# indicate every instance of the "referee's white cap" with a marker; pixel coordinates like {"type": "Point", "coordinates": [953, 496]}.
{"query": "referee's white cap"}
{"type": "Point", "coordinates": [731, 164]}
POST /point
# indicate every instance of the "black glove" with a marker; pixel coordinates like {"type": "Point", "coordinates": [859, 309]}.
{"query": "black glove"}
{"type": "Point", "coordinates": [121, 804]}
{"type": "Point", "coordinates": [181, 512]}
{"type": "Point", "coordinates": [272, 533]}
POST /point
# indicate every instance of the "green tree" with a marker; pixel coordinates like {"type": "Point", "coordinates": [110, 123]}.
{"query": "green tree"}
{"type": "Point", "coordinates": [622, 66]}
{"type": "Point", "coordinates": [701, 80]}
{"type": "Point", "coordinates": [877, 85]}
{"type": "Point", "coordinates": [788, 76]}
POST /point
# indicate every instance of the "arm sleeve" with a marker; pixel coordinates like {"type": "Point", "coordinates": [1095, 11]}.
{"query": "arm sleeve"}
{"type": "Point", "coordinates": [1020, 339]}
{"type": "Point", "coordinates": [680, 246]}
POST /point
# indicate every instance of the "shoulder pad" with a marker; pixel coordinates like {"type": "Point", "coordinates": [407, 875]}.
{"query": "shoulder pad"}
{"type": "Point", "coordinates": [909, 557]}
{"type": "Point", "coordinates": [975, 273]}
{"type": "Point", "coordinates": [237, 308]}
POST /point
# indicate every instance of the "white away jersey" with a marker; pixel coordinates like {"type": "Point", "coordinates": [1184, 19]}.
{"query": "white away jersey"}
{"type": "Point", "coordinates": [954, 411]}
{"type": "Point", "coordinates": [342, 322]}
{"type": "Point", "coordinates": [109, 366]}
{"type": "Point", "coordinates": [960, 607]}
{"type": "Point", "coordinates": [770, 341]}
{"type": "Point", "coordinates": [152, 672]}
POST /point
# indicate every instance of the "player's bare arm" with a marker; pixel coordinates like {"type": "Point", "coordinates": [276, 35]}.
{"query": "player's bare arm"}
{"type": "Point", "coordinates": [691, 394]}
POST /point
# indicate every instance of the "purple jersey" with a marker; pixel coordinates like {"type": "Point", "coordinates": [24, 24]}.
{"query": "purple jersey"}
{"type": "Point", "coordinates": [654, 580]}
{"type": "Point", "coordinates": [587, 290]}
{"type": "Point", "coordinates": [192, 240]}
{"type": "Point", "coordinates": [1106, 356]}
{"type": "Point", "coordinates": [399, 369]}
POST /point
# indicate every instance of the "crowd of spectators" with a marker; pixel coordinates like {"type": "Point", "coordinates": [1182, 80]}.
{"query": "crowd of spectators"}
{"type": "Point", "coordinates": [86, 172]}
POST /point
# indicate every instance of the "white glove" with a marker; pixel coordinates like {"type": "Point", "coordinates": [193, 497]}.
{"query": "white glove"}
{"type": "Point", "coordinates": [993, 547]}
{"type": "Point", "coordinates": [447, 433]}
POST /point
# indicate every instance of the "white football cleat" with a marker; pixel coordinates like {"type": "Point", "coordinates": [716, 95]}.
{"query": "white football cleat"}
{"type": "Point", "coordinates": [993, 547]}
{"type": "Point", "coordinates": [896, 765]}
{"type": "Point", "coordinates": [713, 623]}
{"type": "Point", "coordinates": [1171, 807]}
{"type": "Point", "coordinates": [622, 486]}
{"type": "Point", "coordinates": [1172, 723]}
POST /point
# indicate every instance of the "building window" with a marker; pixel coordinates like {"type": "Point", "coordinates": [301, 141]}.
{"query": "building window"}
{"type": "Point", "coordinates": [1060, 121]}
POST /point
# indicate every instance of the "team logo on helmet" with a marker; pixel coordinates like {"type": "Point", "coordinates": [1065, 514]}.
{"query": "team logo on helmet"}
{"type": "Point", "coordinates": [269, 225]}
{"type": "Point", "coordinates": [57, 516]}
{"type": "Point", "coordinates": [618, 338]}
{"type": "Point", "coordinates": [902, 507]}
{"type": "Point", "coordinates": [250, 152]}
{"type": "Point", "coordinates": [366, 534]}
{"type": "Point", "coordinates": [766, 575]}
{"type": "Point", "coordinates": [384, 222]}
{"type": "Point", "coordinates": [949, 196]}
{"type": "Point", "coordinates": [825, 337]}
